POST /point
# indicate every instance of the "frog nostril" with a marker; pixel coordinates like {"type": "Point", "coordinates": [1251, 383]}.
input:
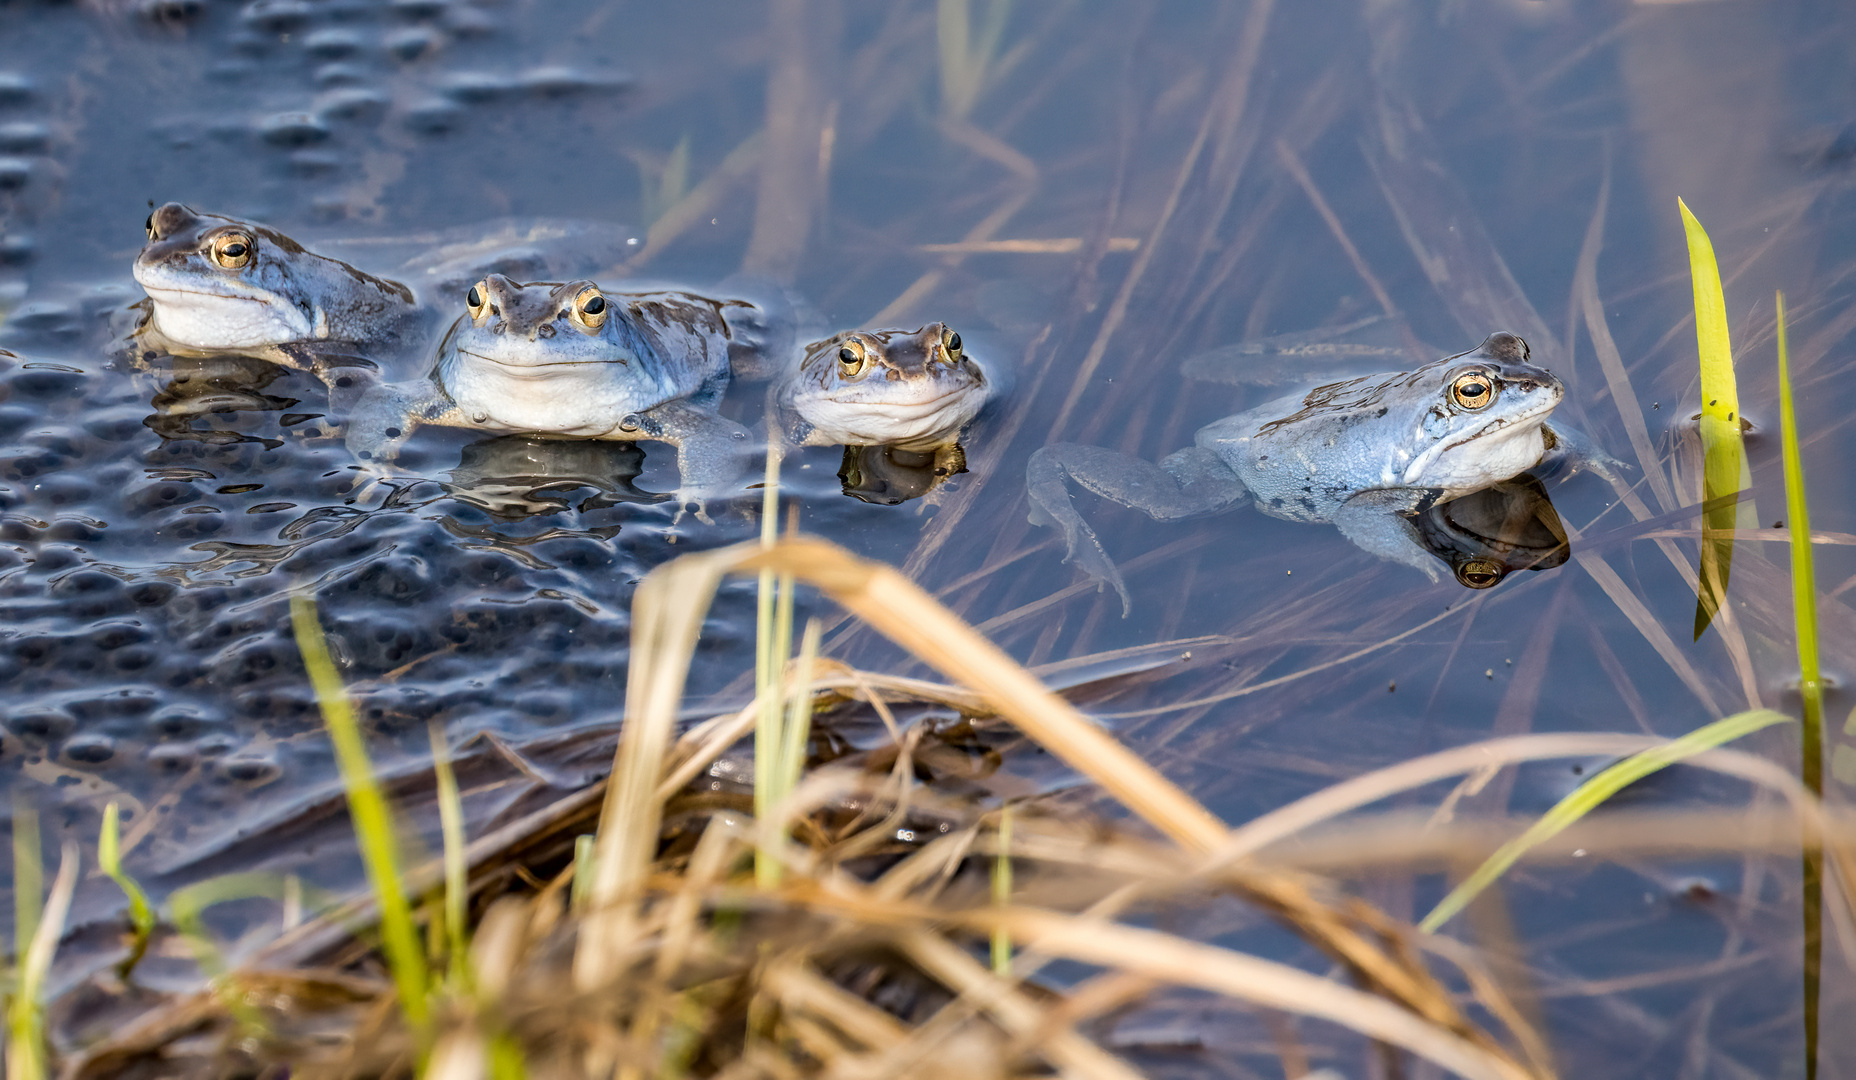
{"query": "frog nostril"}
{"type": "Point", "coordinates": [545, 329]}
{"type": "Point", "coordinates": [500, 328]}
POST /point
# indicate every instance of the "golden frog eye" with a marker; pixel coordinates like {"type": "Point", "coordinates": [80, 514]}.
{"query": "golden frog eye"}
{"type": "Point", "coordinates": [478, 299]}
{"type": "Point", "coordinates": [850, 359]}
{"type": "Point", "coordinates": [1480, 573]}
{"type": "Point", "coordinates": [1472, 390]}
{"type": "Point", "coordinates": [149, 227]}
{"type": "Point", "coordinates": [950, 344]}
{"type": "Point", "coordinates": [232, 250]}
{"type": "Point", "coordinates": [590, 309]}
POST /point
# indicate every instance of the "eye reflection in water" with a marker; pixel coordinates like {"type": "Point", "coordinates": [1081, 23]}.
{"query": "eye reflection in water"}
{"type": "Point", "coordinates": [890, 476]}
{"type": "Point", "coordinates": [1489, 534]}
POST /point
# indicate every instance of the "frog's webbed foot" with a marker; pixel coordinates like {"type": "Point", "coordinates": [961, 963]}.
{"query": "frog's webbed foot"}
{"type": "Point", "coordinates": [1189, 483]}
{"type": "Point", "coordinates": [386, 415]}
{"type": "Point", "coordinates": [712, 452]}
{"type": "Point", "coordinates": [1379, 522]}
{"type": "Point", "coordinates": [1570, 450]}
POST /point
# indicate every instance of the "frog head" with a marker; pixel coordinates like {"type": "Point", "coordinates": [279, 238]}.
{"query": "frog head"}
{"type": "Point", "coordinates": [218, 284]}
{"type": "Point", "coordinates": [544, 329]}
{"type": "Point", "coordinates": [909, 389]}
{"type": "Point", "coordinates": [1479, 416]}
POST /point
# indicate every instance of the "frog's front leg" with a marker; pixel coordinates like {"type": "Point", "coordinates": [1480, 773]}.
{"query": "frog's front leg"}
{"type": "Point", "coordinates": [1189, 483]}
{"type": "Point", "coordinates": [1379, 522]}
{"type": "Point", "coordinates": [1571, 449]}
{"type": "Point", "coordinates": [387, 414]}
{"type": "Point", "coordinates": [712, 451]}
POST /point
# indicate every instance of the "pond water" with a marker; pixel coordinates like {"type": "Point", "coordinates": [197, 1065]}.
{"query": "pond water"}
{"type": "Point", "coordinates": [1093, 195]}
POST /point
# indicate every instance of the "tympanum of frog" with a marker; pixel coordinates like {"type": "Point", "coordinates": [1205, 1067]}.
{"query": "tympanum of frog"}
{"type": "Point", "coordinates": [1365, 454]}
{"type": "Point", "coordinates": [910, 390]}
{"type": "Point", "coordinates": [219, 285]}
{"type": "Point", "coordinates": [571, 360]}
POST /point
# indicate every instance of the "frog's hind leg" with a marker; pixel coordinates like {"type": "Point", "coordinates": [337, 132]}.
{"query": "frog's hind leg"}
{"type": "Point", "coordinates": [1190, 483]}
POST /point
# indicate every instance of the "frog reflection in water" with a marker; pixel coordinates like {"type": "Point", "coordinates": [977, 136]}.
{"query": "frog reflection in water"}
{"type": "Point", "coordinates": [512, 477]}
{"type": "Point", "coordinates": [1486, 535]}
{"type": "Point", "coordinates": [897, 400]}
{"type": "Point", "coordinates": [572, 361]}
{"type": "Point", "coordinates": [1366, 455]}
{"type": "Point", "coordinates": [220, 285]}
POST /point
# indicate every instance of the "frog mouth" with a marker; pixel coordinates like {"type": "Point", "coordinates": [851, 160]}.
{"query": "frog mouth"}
{"type": "Point", "coordinates": [506, 365]}
{"type": "Point", "coordinates": [924, 403]}
{"type": "Point", "coordinates": [153, 290]}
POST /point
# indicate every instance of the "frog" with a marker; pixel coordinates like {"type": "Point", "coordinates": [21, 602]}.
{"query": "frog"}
{"type": "Point", "coordinates": [914, 391]}
{"type": "Point", "coordinates": [572, 360]}
{"type": "Point", "coordinates": [219, 285]}
{"type": "Point", "coordinates": [1366, 454]}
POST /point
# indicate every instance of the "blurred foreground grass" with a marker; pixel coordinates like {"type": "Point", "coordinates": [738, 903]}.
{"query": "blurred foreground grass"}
{"type": "Point", "coordinates": [657, 950]}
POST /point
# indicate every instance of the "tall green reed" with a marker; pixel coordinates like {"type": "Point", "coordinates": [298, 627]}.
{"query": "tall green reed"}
{"type": "Point", "coordinates": [1810, 686]}
{"type": "Point", "coordinates": [141, 913]}
{"type": "Point", "coordinates": [1588, 796]}
{"type": "Point", "coordinates": [373, 821]}
{"type": "Point", "coordinates": [780, 735]}
{"type": "Point", "coordinates": [1724, 470]}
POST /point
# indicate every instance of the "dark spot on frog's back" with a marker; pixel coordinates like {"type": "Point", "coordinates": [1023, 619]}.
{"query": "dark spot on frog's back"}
{"type": "Point", "coordinates": [1502, 345]}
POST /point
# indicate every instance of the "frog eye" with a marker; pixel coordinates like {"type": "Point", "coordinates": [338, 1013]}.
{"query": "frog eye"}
{"type": "Point", "coordinates": [1472, 390]}
{"type": "Point", "coordinates": [232, 250]}
{"type": "Point", "coordinates": [1480, 573]}
{"type": "Point", "coordinates": [950, 344]}
{"type": "Point", "coordinates": [149, 227]}
{"type": "Point", "coordinates": [850, 358]}
{"type": "Point", "coordinates": [478, 300]}
{"type": "Point", "coordinates": [590, 309]}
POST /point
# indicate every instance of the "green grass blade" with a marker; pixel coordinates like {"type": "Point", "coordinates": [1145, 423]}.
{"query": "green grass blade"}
{"type": "Point", "coordinates": [373, 822]}
{"type": "Point", "coordinates": [799, 713]}
{"type": "Point", "coordinates": [28, 874]}
{"type": "Point", "coordinates": [25, 1047]}
{"type": "Point", "coordinates": [141, 915]}
{"type": "Point", "coordinates": [583, 871]}
{"type": "Point", "coordinates": [25, 1050]}
{"type": "Point", "coordinates": [457, 884]}
{"type": "Point", "coordinates": [769, 659]}
{"type": "Point", "coordinates": [1810, 686]}
{"type": "Point", "coordinates": [1804, 574]}
{"type": "Point", "coordinates": [1724, 471]}
{"type": "Point", "coordinates": [1002, 895]}
{"type": "Point", "coordinates": [1589, 795]}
